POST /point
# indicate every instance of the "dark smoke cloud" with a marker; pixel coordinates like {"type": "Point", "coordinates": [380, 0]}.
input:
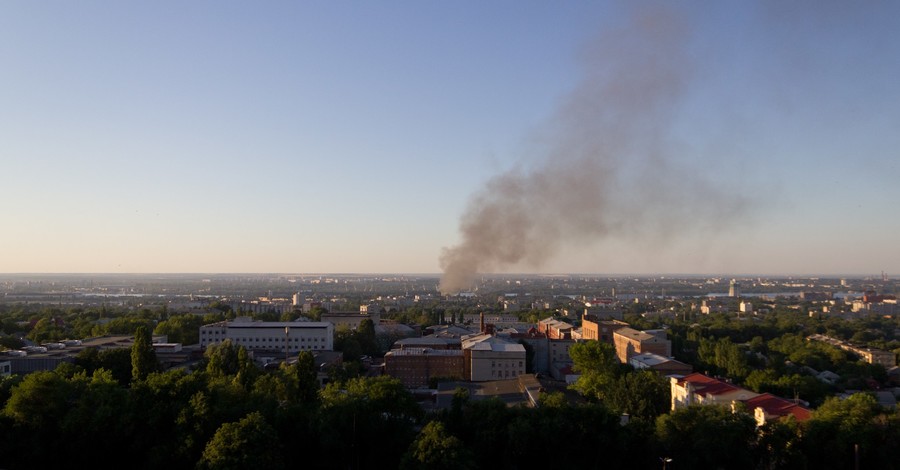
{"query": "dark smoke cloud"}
{"type": "Point", "coordinates": [604, 168]}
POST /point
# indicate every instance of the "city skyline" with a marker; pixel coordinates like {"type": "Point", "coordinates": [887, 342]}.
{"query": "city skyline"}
{"type": "Point", "coordinates": [353, 138]}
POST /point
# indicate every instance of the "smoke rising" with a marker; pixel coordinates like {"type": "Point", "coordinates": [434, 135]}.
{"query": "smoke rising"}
{"type": "Point", "coordinates": [605, 164]}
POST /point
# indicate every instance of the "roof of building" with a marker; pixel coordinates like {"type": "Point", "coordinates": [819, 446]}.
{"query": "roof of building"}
{"type": "Point", "coordinates": [704, 385]}
{"type": "Point", "coordinates": [273, 324]}
{"type": "Point", "coordinates": [559, 325]}
{"type": "Point", "coordinates": [655, 360]}
{"type": "Point", "coordinates": [424, 352]}
{"type": "Point", "coordinates": [636, 335]}
{"type": "Point", "coordinates": [486, 342]}
{"type": "Point", "coordinates": [777, 406]}
{"type": "Point", "coordinates": [394, 328]}
{"type": "Point", "coordinates": [513, 392]}
{"type": "Point", "coordinates": [432, 340]}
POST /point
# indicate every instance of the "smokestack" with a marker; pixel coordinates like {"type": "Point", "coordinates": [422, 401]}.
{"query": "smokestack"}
{"type": "Point", "coordinates": [606, 167]}
{"type": "Point", "coordinates": [481, 323]}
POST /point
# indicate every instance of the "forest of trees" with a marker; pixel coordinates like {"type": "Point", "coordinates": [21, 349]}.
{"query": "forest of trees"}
{"type": "Point", "coordinates": [114, 408]}
{"type": "Point", "coordinates": [230, 414]}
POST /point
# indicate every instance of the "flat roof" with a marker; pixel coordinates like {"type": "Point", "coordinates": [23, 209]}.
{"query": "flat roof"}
{"type": "Point", "coordinates": [279, 324]}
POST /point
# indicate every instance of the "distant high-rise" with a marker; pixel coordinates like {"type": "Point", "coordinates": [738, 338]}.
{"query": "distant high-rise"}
{"type": "Point", "coordinates": [734, 289]}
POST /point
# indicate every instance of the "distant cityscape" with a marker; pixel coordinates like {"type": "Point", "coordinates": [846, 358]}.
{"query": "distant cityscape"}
{"type": "Point", "coordinates": [775, 349]}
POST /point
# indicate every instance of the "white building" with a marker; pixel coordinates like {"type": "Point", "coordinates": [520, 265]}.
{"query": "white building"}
{"type": "Point", "coordinates": [734, 288]}
{"type": "Point", "coordinates": [491, 358]}
{"type": "Point", "coordinates": [270, 336]}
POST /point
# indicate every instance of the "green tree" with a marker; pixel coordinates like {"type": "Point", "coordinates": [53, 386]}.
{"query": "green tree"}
{"type": "Point", "coordinates": [248, 443]}
{"type": "Point", "coordinates": [225, 359]}
{"type": "Point", "coordinates": [116, 361]}
{"type": "Point", "coordinates": [40, 400]}
{"type": "Point", "coordinates": [307, 375]}
{"type": "Point", "coordinates": [598, 366]}
{"type": "Point", "coordinates": [143, 357]}
{"type": "Point", "coordinates": [366, 336]}
{"type": "Point", "coordinates": [708, 436]}
{"type": "Point", "coordinates": [839, 428]}
{"type": "Point", "coordinates": [436, 449]}
{"type": "Point", "coordinates": [367, 422]}
{"type": "Point", "coordinates": [641, 394]}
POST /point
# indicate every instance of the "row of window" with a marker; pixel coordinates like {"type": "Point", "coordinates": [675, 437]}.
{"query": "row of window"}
{"type": "Point", "coordinates": [269, 339]}
{"type": "Point", "coordinates": [507, 364]}
{"type": "Point", "coordinates": [280, 340]}
{"type": "Point", "coordinates": [502, 373]}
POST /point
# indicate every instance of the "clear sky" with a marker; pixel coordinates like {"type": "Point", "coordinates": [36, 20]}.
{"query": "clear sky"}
{"type": "Point", "coordinates": [351, 136]}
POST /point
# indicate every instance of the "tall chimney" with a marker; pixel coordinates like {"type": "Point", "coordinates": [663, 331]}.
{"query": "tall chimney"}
{"type": "Point", "coordinates": [481, 323]}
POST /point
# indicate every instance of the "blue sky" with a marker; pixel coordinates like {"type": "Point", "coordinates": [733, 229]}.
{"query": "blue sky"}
{"type": "Point", "coordinates": [350, 136]}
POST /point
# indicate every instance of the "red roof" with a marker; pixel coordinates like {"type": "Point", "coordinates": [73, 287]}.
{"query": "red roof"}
{"type": "Point", "coordinates": [704, 385]}
{"type": "Point", "coordinates": [777, 406]}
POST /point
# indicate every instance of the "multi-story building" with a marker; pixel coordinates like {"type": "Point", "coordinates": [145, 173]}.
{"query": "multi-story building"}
{"type": "Point", "coordinates": [490, 358]}
{"type": "Point", "coordinates": [768, 407]}
{"type": "Point", "coordinates": [603, 311]}
{"type": "Point", "coordinates": [415, 367]}
{"type": "Point", "coordinates": [559, 359]}
{"type": "Point", "coordinates": [870, 355]}
{"type": "Point", "coordinates": [494, 318]}
{"type": "Point", "coordinates": [734, 288]}
{"type": "Point", "coordinates": [555, 329]}
{"type": "Point", "coordinates": [592, 328]}
{"type": "Point", "coordinates": [350, 320]}
{"type": "Point", "coordinates": [428, 342]}
{"type": "Point", "coordinates": [660, 364]}
{"type": "Point", "coordinates": [698, 389]}
{"type": "Point", "coordinates": [630, 342]}
{"type": "Point", "coordinates": [288, 337]}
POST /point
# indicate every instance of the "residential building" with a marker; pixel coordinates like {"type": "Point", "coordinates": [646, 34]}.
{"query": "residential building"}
{"type": "Point", "coordinates": [698, 389]}
{"type": "Point", "coordinates": [869, 355]}
{"type": "Point", "coordinates": [767, 407]}
{"type": "Point", "coordinates": [734, 289]}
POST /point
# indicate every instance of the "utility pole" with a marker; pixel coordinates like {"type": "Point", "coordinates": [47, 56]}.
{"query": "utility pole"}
{"type": "Point", "coordinates": [287, 334]}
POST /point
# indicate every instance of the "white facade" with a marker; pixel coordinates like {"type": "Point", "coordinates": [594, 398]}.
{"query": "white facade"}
{"type": "Point", "coordinates": [271, 336]}
{"type": "Point", "coordinates": [491, 358]}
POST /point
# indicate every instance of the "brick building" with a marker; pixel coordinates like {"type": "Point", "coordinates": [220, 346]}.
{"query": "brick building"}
{"type": "Point", "coordinates": [630, 342]}
{"type": "Point", "coordinates": [415, 367]}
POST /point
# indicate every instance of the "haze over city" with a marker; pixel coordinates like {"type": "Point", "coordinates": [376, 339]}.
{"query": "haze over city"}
{"type": "Point", "coordinates": [530, 137]}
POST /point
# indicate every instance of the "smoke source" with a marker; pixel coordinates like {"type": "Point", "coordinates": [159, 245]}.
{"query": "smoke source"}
{"type": "Point", "coordinates": [604, 168]}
